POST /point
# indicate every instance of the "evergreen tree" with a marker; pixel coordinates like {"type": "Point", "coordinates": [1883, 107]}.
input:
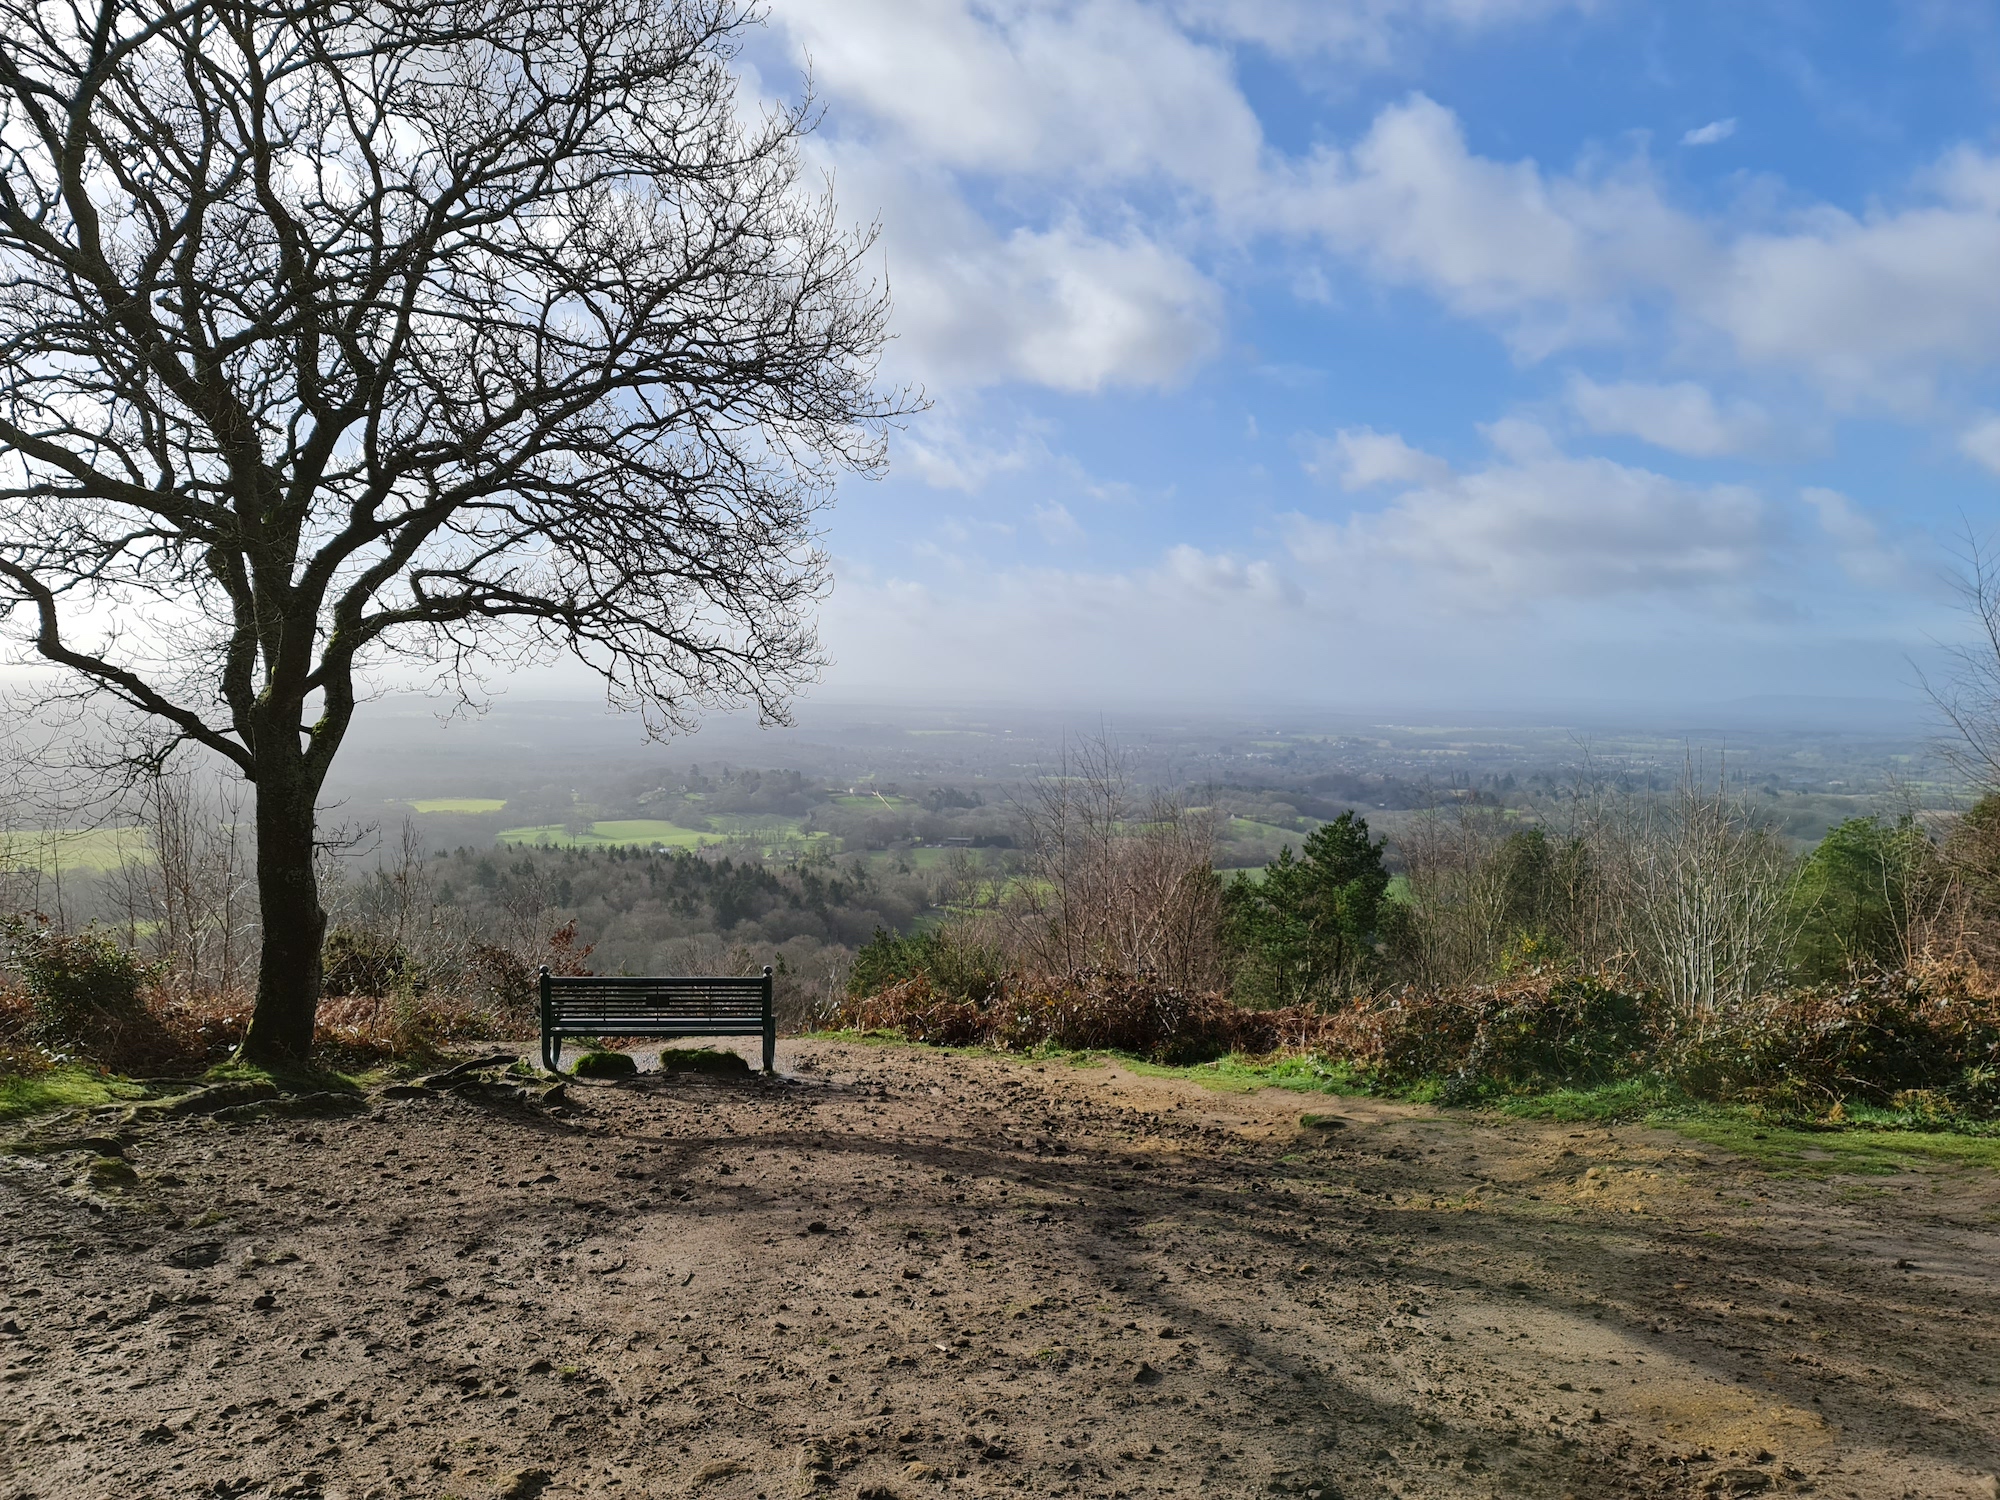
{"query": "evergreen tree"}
{"type": "Point", "coordinates": [1307, 930]}
{"type": "Point", "coordinates": [1852, 900]}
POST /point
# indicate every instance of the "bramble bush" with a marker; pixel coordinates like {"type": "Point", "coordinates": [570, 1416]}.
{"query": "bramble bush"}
{"type": "Point", "coordinates": [1881, 1036]}
{"type": "Point", "coordinates": [1894, 1040]}
{"type": "Point", "coordinates": [953, 964]}
{"type": "Point", "coordinates": [1527, 1035]}
{"type": "Point", "coordinates": [83, 988]}
{"type": "Point", "coordinates": [1087, 1012]}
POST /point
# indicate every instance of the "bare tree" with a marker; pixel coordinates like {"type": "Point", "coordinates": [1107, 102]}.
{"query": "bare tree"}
{"type": "Point", "coordinates": [1686, 891]}
{"type": "Point", "coordinates": [1111, 879]}
{"type": "Point", "coordinates": [1969, 697]}
{"type": "Point", "coordinates": [335, 331]}
{"type": "Point", "coordinates": [188, 899]}
{"type": "Point", "coordinates": [1709, 888]}
{"type": "Point", "coordinates": [1456, 892]}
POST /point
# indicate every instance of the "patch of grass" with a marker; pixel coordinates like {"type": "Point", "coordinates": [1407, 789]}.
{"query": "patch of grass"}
{"type": "Point", "coordinates": [604, 1065]}
{"type": "Point", "coordinates": [1629, 1099]}
{"type": "Point", "coordinates": [1871, 1142]}
{"type": "Point", "coordinates": [305, 1080]}
{"type": "Point", "coordinates": [63, 1088]}
{"type": "Point", "coordinates": [98, 849]}
{"type": "Point", "coordinates": [625, 832]}
{"type": "Point", "coordinates": [650, 831]}
{"type": "Point", "coordinates": [458, 804]}
{"type": "Point", "coordinates": [1851, 1150]}
{"type": "Point", "coordinates": [881, 1038]}
{"type": "Point", "coordinates": [1250, 828]}
{"type": "Point", "coordinates": [111, 1172]}
{"type": "Point", "coordinates": [870, 799]}
{"type": "Point", "coordinates": [1236, 1074]}
{"type": "Point", "coordinates": [710, 1060]}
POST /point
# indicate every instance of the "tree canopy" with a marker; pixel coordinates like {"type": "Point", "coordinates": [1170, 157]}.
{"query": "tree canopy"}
{"type": "Point", "coordinates": [1307, 929]}
{"type": "Point", "coordinates": [335, 333]}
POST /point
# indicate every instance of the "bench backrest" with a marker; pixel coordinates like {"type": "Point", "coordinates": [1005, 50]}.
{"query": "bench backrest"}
{"type": "Point", "coordinates": [613, 1005]}
{"type": "Point", "coordinates": [602, 1002]}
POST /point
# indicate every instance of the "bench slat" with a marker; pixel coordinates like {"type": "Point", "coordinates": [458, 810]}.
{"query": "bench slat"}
{"type": "Point", "coordinates": [614, 1021]}
{"type": "Point", "coordinates": [655, 1006]}
{"type": "Point", "coordinates": [655, 987]}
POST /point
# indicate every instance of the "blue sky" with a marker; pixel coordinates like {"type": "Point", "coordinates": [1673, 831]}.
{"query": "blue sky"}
{"type": "Point", "coordinates": [1414, 352]}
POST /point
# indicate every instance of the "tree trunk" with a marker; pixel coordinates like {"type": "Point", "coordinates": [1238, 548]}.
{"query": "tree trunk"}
{"type": "Point", "coordinates": [288, 974]}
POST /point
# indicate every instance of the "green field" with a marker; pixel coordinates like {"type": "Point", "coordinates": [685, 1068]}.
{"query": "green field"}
{"type": "Point", "coordinates": [915, 859]}
{"type": "Point", "coordinates": [458, 804]}
{"type": "Point", "coordinates": [1250, 828]}
{"type": "Point", "coordinates": [773, 835]}
{"type": "Point", "coordinates": [622, 831]}
{"type": "Point", "coordinates": [871, 799]}
{"type": "Point", "coordinates": [97, 849]}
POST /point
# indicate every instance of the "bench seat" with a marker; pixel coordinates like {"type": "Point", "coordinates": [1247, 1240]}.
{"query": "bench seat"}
{"type": "Point", "coordinates": [665, 1006]}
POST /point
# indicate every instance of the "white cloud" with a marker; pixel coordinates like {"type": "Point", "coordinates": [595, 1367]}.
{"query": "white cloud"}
{"type": "Point", "coordinates": [1681, 417]}
{"type": "Point", "coordinates": [1981, 443]}
{"type": "Point", "coordinates": [1357, 457]}
{"type": "Point", "coordinates": [948, 457]}
{"type": "Point", "coordinates": [1218, 577]}
{"type": "Point", "coordinates": [1061, 307]}
{"type": "Point", "coordinates": [1058, 527]}
{"type": "Point", "coordinates": [1870, 305]}
{"type": "Point", "coordinates": [1857, 542]}
{"type": "Point", "coordinates": [1538, 524]}
{"type": "Point", "coordinates": [1549, 255]}
{"type": "Point", "coordinates": [1711, 134]}
{"type": "Point", "coordinates": [1097, 89]}
{"type": "Point", "coordinates": [1124, 150]}
{"type": "Point", "coordinates": [1375, 32]}
{"type": "Point", "coordinates": [1069, 105]}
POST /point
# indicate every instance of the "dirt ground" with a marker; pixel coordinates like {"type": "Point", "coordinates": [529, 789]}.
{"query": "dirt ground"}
{"type": "Point", "coordinates": [898, 1273]}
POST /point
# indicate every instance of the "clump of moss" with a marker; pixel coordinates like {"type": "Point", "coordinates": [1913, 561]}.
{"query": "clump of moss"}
{"type": "Point", "coordinates": [701, 1060]}
{"type": "Point", "coordinates": [604, 1065]}
{"type": "Point", "coordinates": [111, 1172]}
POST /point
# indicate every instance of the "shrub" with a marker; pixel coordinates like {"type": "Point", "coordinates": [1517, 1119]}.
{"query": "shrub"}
{"type": "Point", "coordinates": [355, 961]}
{"type": "Point", "coordinates": [1900, 1041]}
{"type": "Point", "coordinates": [1535, 1033]}
{"type": "Point", "coordinates": [1807, 1049]}
{"type": "Point", "coordinates": [954, 965]}
{"type": "Point", "coordinates": [1853, 897]}
{"type": "Point", "coordinates": [1092, 1011]}
{"type": "Point", "coordinates": [83, 988]}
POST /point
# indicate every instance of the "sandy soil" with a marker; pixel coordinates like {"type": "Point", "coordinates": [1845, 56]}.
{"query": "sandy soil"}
{"type": "Point", "coordinates": [897, 1273]}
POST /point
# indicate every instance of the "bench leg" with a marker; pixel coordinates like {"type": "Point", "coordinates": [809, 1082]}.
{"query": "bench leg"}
{"type": "Point", "coordinates": [770, 1048]}
{"type": "Point", "coordinates": [552, 1053]}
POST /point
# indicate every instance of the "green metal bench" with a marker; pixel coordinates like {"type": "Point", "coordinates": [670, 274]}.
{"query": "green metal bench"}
{"type": "Point", "coordinates": [605, 1005]}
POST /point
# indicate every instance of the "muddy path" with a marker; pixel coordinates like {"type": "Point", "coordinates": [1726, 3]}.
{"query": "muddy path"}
{"type": "Point", "coordinates": [892, 1272]}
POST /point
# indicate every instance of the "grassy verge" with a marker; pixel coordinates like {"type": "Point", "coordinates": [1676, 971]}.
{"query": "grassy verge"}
{"type": "Point", "coordinates": [307, 1080]}
{"type": "Point", "coordinates": [1868, 1142]}
{"type": "Point", "coordinates": [1844, 1150]}
{"type": "Point", "coordinates": [64, 1088]}
{"type": "Point", "coordinates": [1234, 1074]}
